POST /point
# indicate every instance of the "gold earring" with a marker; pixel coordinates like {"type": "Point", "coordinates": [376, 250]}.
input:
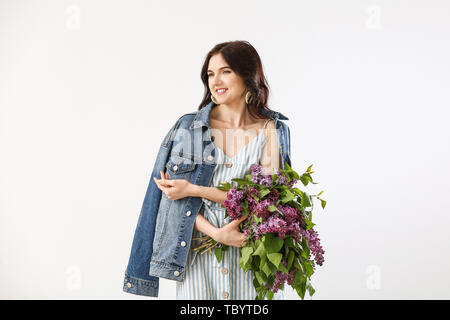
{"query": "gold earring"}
{"type": "Point", "coordinates": [213, 99]}
{"type": "Point", "coordinates": [248, 97]}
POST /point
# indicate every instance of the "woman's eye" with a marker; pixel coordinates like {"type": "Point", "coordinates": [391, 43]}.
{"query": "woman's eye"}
{"type": "Point", "coordinates": [228, 71]}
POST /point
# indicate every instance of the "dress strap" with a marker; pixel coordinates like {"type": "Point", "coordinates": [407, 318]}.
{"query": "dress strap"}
{"type": "Point", "coordinates": [265, 124]}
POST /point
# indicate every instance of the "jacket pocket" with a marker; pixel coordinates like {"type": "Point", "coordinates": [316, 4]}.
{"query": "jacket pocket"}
{"type": "Point", "coordinates": [177, 165]}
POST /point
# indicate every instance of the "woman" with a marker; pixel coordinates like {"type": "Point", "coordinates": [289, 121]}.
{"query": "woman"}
{"type": "Point", "coordinates": [243, 135]}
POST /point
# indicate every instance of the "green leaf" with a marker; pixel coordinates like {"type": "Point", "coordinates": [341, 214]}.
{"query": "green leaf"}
{"type": "Point", "coordinates": [272, 243]}
{"type": "Point", "coordinates": [270, 295]}
{"type": "Point", "coordinates": [241, 181]}
{"type": "Point", "coordinates": [256, 284]}
{"type": "Point", "coordinates": [304, 254]}
{"type": "Point", "coordinates": [287, 166]}
{"type": "Point", "coordinates": [291, 257]}
{"type": "Point", "coordinates": [263, 192]}
{"type": "Point", "coordinates": [244, 208]}
{"type": "Point", "coordinates": [289, 242]}
{"type": "Point", "coordinates": [288, 196]}
{"type": "Point", "coordinates": [260, 251]}
{"type": "Point", "coordinates": [262, 261]}
{"type": "Point", "coordinates": [308, 176]}
{"type": "Point", "coordinates": [266, 269]}
{"type": "Point", "coordinates": [310, 288]}
{"type": "Point", "coordinates": [257, 219]}
{"type": "Point", "coordinates": [261, 293]}
{"type": "Point", "coordinates": [299, 284]}
{"type": "Point", "coordinates": [308, 268]}
{"type": "Point", "coordinates": [283, 268]}
{"type": "Point", "coordinates": [273, 208]}
{"type": "Point", "coordinates": [323, 203]}
{"type": "Point", "coordinates": [275, 258]}
{"type": "Point", "coordinates": [309, 224]}
{"type": "Point", "coordinates": [272, 267]}
{"type": "Point", "coordinates": [259, 277]}
{"type": "Point", "coordinates": [297, 265]}
{"type": "Point", "coordinates": [245, 256]}
{"type": "Point", "coordinates": [224, 186]}
{"type": "Point", "coordinates": [304, 180]}
{"type": "Point", "coordinates": [305, 200]}
{"type": "Point", "coordinates": [297, 280]}
{"type": "Point", "coordinates": [305, 247]}
{"type": "Point", "coordinates": [218, 253]}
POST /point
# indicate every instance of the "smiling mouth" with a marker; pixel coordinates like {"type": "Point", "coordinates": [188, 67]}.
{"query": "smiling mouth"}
{"type": "Point", "coordinates": [221, 91]}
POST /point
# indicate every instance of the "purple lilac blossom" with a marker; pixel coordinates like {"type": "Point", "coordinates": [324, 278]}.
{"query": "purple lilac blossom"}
{"type": "Point", "coordinates": [273, 196]}
{"type": "Point", "coordinates": [259, 177]}
{"type": "Point", "coordinates": [290, 224]}
{"type": "Point", "coordinates": [290, 214]}
{"type": "Point", "coordinates": [272, 224]}
{"type": "Point", "coordinates": [281, 179]}
{"type": "Point", "coordinates": [266, 180]}
{"type": "Point", "coordinates": [252, 203]}
{"type": "Point", "coordinates": [233, 203]}
{"type": "Point", "coordinates": [256, 170]}
{"type": "Point", "coordinates": [281, 278]}
{"type": "Point", "coordinates": [313, 241]}
{"type": "Point", "coordinates": [262, 210]}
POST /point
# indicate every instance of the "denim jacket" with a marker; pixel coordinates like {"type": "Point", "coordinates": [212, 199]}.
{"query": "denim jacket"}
{"type": "Point", "coordinates": [164, 229]}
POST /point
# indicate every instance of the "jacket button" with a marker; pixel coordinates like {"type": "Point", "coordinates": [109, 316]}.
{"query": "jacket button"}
{"type": "Point", "coordinates": [183, 243]}
{"type": "Point", "coordinates": [188, 213]}
{"type": "Point", "coordinates": [175, 168]}
{"type": "Point", "coordinates": [210, 158]}
{"type": "Point", "coordinates": [129, 285]}
{"type": "Point", "coordinates": [176, 273]}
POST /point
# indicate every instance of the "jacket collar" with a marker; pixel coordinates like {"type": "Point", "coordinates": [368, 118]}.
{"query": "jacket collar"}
{"type": "Point", "coordinates": [202, 116]}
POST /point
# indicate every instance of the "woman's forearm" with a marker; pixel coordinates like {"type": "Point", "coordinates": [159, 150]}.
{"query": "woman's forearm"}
{"type": "Point", "coordinates": [203, 225]}
{"type": "Point", "coordinates": [210, 193]}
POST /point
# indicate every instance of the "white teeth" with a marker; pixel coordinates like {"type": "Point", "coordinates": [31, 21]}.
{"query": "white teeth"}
{"type": "Point", "coordinates": [221, 90]}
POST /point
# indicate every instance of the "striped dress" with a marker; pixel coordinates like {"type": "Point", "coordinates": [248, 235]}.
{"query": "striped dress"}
{"type": "Point", "coordinates": [205, 278]}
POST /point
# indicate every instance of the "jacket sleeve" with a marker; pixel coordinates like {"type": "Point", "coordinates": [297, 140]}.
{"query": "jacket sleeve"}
{"type": "Point", "coordinates": [288, 145]}
{"type": "Point", "coordinates": [137, 279]}
{"type": "Point", "coordinates": [285, 141]}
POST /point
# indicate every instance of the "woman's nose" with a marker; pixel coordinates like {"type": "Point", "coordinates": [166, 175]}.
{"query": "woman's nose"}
{"type": "Point", "coordinates": [216, 79]}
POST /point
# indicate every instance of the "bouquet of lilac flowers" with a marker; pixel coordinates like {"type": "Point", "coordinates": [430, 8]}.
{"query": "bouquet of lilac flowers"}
{"type": "Point", "coordinates": [280, 238]}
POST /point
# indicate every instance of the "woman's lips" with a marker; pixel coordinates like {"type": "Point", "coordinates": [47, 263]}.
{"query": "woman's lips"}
{"type": "Point", "coordinates": [221, 92]}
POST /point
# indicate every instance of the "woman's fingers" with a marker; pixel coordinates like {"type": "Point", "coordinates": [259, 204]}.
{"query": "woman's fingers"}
{"type": "Point", "coordinates": [236, 223]}
{"type": "Point", "coordinates": [164, 181]}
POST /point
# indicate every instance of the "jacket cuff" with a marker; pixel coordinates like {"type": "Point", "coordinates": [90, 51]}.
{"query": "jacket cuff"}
{"type": "Point", "coordinates": [140, 286]}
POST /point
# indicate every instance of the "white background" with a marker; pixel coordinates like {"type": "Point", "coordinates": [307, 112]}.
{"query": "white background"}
{"type": "Point", "coordinates": [89, 89]}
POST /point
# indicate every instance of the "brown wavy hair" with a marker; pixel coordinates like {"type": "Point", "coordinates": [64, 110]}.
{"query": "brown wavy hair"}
{"type": "Point", "coordinates": [243, 59]}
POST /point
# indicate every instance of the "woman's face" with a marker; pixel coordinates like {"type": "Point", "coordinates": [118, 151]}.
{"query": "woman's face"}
{"type": "Point", "coordinates": [220, 75]}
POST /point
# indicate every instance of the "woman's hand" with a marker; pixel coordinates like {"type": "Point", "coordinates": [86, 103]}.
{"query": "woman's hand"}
{"type": "Point", "coordinates": [230, 235]}
{"type": "Point", "coordinates": [174, 189]}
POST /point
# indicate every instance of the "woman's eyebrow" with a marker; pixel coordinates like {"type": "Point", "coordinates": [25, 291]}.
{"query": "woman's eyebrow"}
{"type": "Point", "coordinates": [221, 68]}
